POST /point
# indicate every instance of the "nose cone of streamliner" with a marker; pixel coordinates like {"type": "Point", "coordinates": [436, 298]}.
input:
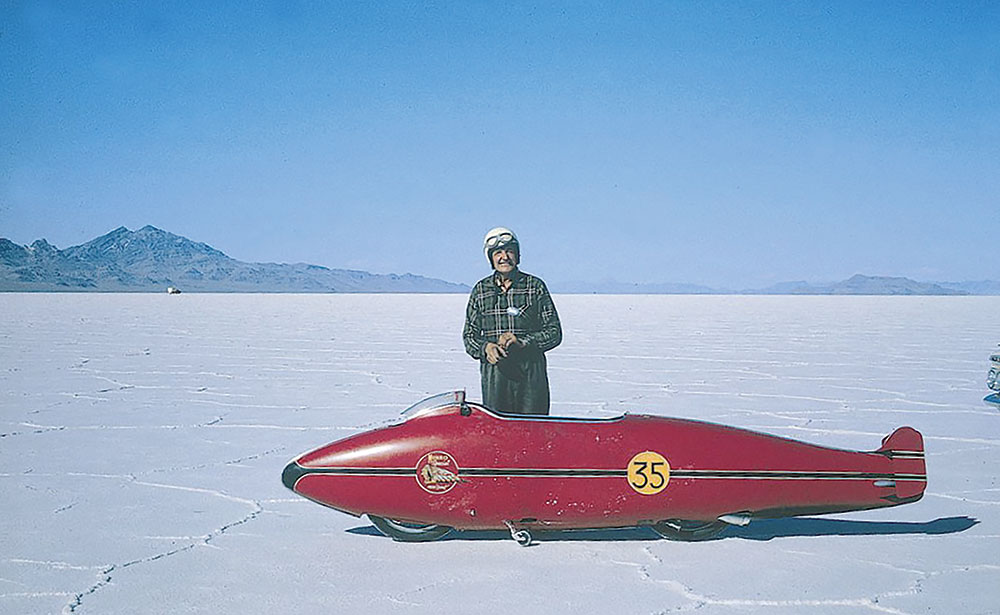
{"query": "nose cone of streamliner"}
{"type": "Point", "coordinates": [291, 474]}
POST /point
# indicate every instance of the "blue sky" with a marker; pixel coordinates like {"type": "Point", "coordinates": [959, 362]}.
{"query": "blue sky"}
{"type": "Point", "coordinates": [722, 143]}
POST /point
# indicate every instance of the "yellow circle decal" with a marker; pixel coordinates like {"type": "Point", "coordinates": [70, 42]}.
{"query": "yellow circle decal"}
{"type": "Point", "coordinates": [648, 473]}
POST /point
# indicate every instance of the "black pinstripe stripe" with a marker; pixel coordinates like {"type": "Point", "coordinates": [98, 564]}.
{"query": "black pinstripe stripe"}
{"type": "Point", "coordinates": [795, 475]}
{"type": "Point", "coordinates": [903, 454]}
{"type": "Point", "coordinates": [601, 473]}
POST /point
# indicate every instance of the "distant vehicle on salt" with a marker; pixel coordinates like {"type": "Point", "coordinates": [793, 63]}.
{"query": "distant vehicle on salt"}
{"type": "Point", "coordinates": [173, 291]}
{"type": "Point", "coordinates": [993, 380]}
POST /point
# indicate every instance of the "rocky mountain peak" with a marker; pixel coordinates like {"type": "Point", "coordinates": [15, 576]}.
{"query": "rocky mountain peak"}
{"type": "Point", "coordinates": [151, 259]}
{"type": "Point", "coordinates": [148, 243]}
{"type": "Point", "coordinates": [43, 247]}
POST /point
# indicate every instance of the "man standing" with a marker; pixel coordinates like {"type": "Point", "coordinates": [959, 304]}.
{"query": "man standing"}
{"type": "Point", "coordinates": [509, 323]}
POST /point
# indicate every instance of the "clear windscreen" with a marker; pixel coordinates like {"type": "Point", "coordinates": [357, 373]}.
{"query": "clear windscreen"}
{"type": "Point", "coordinates": [435, 401]}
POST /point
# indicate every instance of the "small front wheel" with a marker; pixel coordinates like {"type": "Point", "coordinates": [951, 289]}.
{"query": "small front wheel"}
{"type": "Point", "coordinates": [408, 532]}
{"type": "Point", "coordinates": [523, 537]}
{"type": "Point", "coordinates": [690, 531]}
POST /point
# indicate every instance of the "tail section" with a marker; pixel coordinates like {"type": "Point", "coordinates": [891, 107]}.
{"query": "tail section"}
{"type": "Point", "coordinates": [905, 441]}
{"type": "Point", "coordinates": [905, 447]}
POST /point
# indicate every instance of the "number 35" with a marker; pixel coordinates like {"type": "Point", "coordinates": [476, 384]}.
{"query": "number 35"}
{"type": "Point", "coordinates": [648, 473]}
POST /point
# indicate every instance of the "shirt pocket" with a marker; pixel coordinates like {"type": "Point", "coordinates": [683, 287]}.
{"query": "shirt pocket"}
{"type": "Point", "coordinates": [529, 316]}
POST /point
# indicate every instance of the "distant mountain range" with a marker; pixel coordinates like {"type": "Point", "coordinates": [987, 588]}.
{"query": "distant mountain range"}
{"type": "Point", "coordinates": [856, 285]}
{"type": "Point", "coordinates": [881, 285]}
{"type": "Point", "coordinates": [151, 260]}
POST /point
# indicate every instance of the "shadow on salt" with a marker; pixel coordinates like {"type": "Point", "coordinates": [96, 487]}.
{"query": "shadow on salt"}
{"type": "Point", "coordinates": [761, 529]}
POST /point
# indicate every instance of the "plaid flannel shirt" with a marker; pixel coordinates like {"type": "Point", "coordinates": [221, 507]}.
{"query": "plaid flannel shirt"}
{"type": "Point", "coordinates": [525, 309]}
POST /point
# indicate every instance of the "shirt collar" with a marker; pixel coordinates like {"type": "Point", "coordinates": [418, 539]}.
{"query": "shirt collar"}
{"type": "Point", "coordinates": [515, 277]}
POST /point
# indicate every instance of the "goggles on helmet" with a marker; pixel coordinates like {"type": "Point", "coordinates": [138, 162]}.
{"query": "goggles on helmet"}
{"type": "Point", "coordinates": [499, 239]}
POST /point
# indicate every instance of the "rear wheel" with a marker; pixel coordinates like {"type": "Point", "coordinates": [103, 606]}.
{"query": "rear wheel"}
{"type": "Point", "coordinates": [682, 529]}
{"type": "Point", "coordinates": [404, 531]}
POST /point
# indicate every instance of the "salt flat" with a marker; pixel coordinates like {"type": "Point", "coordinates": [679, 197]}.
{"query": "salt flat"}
{"type": "Point", "coordinates": [142, 439]}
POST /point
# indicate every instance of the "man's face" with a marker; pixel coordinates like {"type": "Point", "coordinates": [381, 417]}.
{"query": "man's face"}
{"type": "Point", "coordinates": [504, 259]}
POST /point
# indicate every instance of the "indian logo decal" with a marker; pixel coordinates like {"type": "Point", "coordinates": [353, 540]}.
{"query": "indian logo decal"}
{"type": "Point", "coordinates": [437, 472]}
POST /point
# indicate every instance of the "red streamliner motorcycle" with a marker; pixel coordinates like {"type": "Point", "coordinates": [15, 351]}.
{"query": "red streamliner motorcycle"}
{"type": "Point", "coordinates": [450, 463]}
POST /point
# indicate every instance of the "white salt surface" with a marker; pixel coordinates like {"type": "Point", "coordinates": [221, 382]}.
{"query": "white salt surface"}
{"type": "Point", "coordinates": [142, 439]}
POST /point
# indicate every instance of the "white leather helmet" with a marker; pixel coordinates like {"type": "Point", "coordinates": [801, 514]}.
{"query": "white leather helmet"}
{"type": "Point", "coordinates": [500, 237]}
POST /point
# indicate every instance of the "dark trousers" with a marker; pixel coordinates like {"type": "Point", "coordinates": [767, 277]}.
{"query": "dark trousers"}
{"type": "Point", "coordinates": [517, 386]}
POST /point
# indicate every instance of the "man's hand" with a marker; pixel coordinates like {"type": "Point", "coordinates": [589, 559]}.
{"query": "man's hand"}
{"type": "Point", "coordinates": [506, 339]}
{"type": "Point", "coordinates": [494, 352]}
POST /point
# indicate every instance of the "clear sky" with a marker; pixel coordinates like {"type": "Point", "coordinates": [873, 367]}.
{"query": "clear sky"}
{"type": "Point", "coordinates": [721, 143]}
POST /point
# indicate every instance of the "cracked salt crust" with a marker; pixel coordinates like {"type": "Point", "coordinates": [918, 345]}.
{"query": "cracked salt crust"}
{"type": "Point", "coordinates": [142, 444]}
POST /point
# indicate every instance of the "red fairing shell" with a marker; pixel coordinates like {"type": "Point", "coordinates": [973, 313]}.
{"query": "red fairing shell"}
{"type": "Point", "coordinates": [463, 466]}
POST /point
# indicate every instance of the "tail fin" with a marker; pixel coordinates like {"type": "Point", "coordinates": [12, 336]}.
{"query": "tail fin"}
{"type": "Point", "coordinates": [904, 440]}
{"type": "Point", "coordinates": [905, 447]}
